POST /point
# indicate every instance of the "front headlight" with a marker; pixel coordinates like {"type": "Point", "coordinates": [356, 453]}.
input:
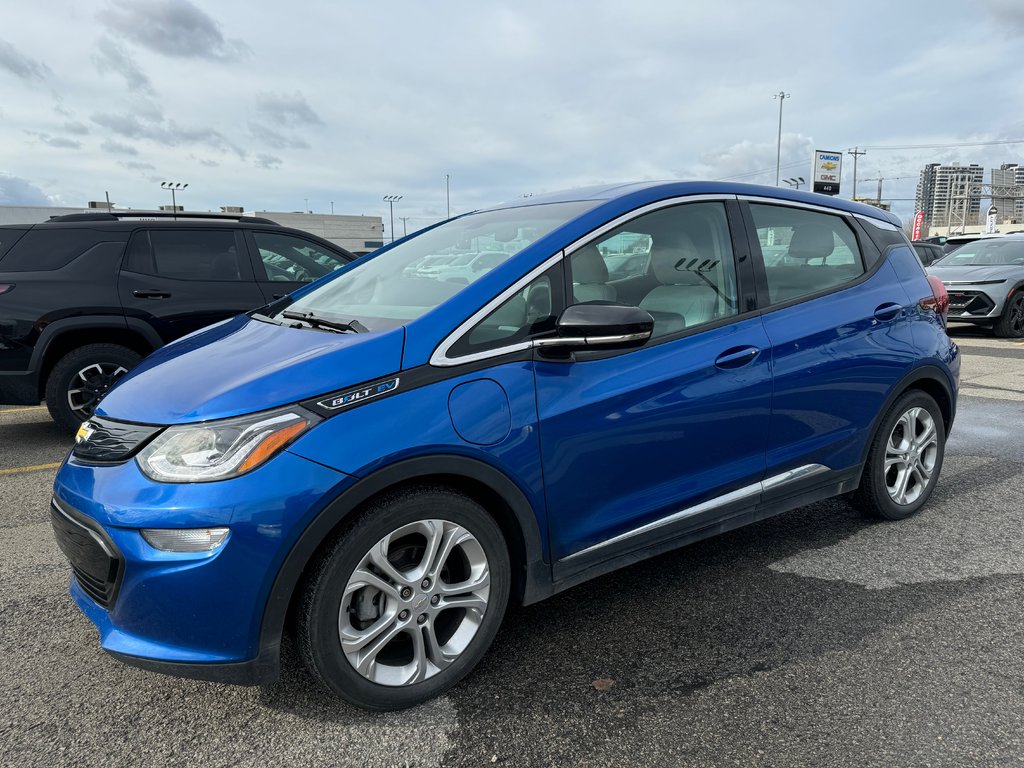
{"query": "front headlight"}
{"type": "Point", "coordinates": [217, 450]}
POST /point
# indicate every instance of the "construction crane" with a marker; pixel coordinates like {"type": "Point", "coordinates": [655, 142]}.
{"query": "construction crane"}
{"type": "Point", "coordinates": [887, 178]}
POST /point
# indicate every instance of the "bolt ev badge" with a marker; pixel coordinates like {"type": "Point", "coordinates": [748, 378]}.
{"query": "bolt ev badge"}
{"type": "Point", "coordinates": [359, 395]}
{"type": "Point", "coordinates": [84, 433]}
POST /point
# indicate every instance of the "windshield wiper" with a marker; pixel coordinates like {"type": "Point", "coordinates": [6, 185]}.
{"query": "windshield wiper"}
{"type": "Point", "coordinates": [352, 326]}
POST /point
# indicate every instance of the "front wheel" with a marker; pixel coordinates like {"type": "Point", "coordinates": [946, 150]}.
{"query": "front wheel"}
{"type": "Point", "coordinates": [406, 601]}
{"type": "Point", "coordinates": [80, 379]}
{"type": "Point", "coordinates": [904, 459]}
{"type": "Point", "coordinates": [1010, 324]}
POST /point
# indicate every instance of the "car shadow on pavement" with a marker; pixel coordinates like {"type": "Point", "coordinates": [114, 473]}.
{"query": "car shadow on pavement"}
{"type": "Point", "coordinates": [670, 626]}
{"type": "Point", "coordinates": [31, 441]}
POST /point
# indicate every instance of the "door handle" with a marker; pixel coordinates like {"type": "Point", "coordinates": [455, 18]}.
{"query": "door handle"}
{"type": "Point", "coordinates": [887, 311]}
{"type": "Point", "coordinates": [736, 357]}
{"type": "Point", "coordinates": [151, 294]}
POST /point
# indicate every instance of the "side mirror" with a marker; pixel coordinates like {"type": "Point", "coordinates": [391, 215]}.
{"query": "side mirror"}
{"type": "Point", "coordinates": [601, 326]}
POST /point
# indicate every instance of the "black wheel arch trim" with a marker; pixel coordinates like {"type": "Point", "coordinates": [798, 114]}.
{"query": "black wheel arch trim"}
{"type": "Point", "coordinates": [536, 575]}
{"type": "Point", "coordinates": [57, 328]}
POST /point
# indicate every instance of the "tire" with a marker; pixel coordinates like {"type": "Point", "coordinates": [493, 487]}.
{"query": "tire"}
{"type": "Point", "coordinates": [91, 370]}
{"type": "Point", "coordinates": [1010, 324]}
{"type": "Point", "coordinates": [380, 626]}
{"type": "Point", "coordinates": [913, 449]}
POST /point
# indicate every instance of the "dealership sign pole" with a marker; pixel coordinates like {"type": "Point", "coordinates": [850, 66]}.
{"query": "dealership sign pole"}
{"type": "Point", "coordinates": [826, 170]}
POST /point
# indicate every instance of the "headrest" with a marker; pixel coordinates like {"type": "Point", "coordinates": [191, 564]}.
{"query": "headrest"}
{"type": "Point", "coordinates": [588, 266]}
{"type": "Point", "coordinates": [677, 263]}
{"type": "Point", "coordinates": [812, 241]}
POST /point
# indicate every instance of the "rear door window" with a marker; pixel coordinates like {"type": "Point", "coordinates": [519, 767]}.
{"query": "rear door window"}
{"type": "Point", "coordinates": [805, 252]}
{"type": "Point", "coordinates": [184, 254]}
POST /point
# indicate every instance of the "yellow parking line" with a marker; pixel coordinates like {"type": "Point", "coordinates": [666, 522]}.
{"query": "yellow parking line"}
{"type": "Point", "coordinates": [35, 468]}
{"type": "Point", "coordinates": [23, 410]}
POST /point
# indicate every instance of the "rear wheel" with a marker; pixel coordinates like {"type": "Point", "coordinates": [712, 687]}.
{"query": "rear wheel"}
{"type": "Point", "coordinates": [406, 601]}
{"type": "Point", "coordinates": [904, 460]}
{"type": "Point", "coordinates": [1010, 324]}
{"type": "Point", "coordinates": [80, 379]}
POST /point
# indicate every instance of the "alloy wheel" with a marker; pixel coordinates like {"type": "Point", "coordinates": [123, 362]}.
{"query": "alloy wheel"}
{"type": "Point", "coordinates": [1016, 320]}
{"type": "Point", "coordinates": [414, 603]}
{"type": "Point", "coordinates": [90, 384]}
{"type": "Point", "coordinates": [910, 456]}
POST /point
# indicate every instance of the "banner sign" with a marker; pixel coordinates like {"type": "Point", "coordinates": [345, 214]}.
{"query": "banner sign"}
{"type": "Point", "coordinates": [826, 170]}
{"type": "Point", "coordinates": [918, 221]}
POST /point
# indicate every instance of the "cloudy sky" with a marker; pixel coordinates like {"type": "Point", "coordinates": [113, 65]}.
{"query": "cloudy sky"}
{"type": "Point", "coordinates": [267, 105]}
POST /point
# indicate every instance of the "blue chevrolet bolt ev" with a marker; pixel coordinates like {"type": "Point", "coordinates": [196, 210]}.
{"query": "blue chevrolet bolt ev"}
{"type": "Point", "coordinates": [381, 461]}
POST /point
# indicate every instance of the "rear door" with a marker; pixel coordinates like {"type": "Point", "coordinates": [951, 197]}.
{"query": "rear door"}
{"type": "Point", "coordinates": [180, 280]}
{"type": "Point", "coordinates": [839, 323]}
{"type": "Point", "coordinates": [284, 262]}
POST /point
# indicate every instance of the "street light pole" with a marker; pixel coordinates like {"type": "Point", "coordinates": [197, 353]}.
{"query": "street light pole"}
{"type": "Point", "coordinates": [781, 96]}
{"type": "Point", "coordinates": [447, 194]}
{"type": "Point", "coordinates": [391, 200]}
{"type": "Point", "coordinates": [175, 187]}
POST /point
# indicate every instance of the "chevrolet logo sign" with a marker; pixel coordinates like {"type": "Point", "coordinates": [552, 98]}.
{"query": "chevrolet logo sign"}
{"type": "Point", "coordinates": [84, 433]}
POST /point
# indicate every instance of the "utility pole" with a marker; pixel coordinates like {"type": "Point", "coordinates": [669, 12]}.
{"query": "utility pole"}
{"type": "Point", "coordinates": [856, 152]}
{"type": "Point", "coordinates": [405, 231]}
{"type": "Point", "coordinates": [332, 207]}
{"type": "Point", "coordinates": [781, 96]}
{"type": "Point", "coordinates": [447, 193]}
{"type": "Point", "coordinates": [391, 200]}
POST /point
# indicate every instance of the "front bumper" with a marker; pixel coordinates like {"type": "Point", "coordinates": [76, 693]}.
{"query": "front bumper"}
{"type": "Point", "coordinates": [975, 303]}
{"type": "Point", "coordinates": [189, 614]}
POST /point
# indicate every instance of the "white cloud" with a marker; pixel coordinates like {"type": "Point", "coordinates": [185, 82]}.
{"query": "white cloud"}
{"type": "Point", "coordinates": [361, 100]}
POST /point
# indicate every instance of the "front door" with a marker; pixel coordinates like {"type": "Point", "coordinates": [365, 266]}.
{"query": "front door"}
{"type": "Point", "coordinates": [180, 280]}
{"type": "Point", "coordinates": [642, 446]}
{"type": "Point", "coordinates": [287, 262]}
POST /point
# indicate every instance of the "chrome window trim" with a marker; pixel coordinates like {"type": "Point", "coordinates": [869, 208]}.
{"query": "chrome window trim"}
{"type": "Point", "coordinates": [637, 212]}
{"type": "Point", "coordinates": [880, 223]}
{"type": "Point", "coordinates": [746, 492]}
{"type": "Point", "coordinates": [440, 358]}
{"type": "Point", "coordinates": [588, 341]}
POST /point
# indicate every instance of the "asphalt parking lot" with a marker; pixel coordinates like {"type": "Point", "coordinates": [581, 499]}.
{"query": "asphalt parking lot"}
{"type": "Point", "coordinates": [813, 639]}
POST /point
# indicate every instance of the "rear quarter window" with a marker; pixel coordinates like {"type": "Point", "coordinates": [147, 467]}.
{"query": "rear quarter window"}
{"type": "Point", "coordinates": [44, 250]}
{"type": "Point", "coordinates": [8, 237]}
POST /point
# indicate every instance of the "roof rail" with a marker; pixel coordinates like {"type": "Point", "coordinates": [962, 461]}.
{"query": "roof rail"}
{"type": "Point", "coordinates": [179, 216]}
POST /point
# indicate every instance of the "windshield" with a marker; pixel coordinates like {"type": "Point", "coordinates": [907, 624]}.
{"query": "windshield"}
{"type": "Point", "coordinates": [995, 252]}
{"type": "Point", "coordinates": [403, 283]}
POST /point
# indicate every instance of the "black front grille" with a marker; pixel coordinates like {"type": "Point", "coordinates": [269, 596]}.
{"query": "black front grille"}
{"type": "Point", "coordinates": [95, 560]}
{"type": "Point", "coordinates": [973, 302]}
{"type": "Point", "coordinates": [103, 441]}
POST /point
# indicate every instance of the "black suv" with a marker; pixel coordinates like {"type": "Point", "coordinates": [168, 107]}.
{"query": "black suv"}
{"type": "Point", "coordinates": [85, 296]}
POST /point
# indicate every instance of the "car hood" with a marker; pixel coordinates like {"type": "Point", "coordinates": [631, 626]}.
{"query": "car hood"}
{"type": "Point", "coordinates": [963, 274]}
{"type": "Point", "coordinates": [243, 366]}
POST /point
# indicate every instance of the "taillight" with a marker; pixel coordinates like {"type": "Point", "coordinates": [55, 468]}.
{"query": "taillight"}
{"type": "Point", "coordinates": [5, 287]}
{"type": "Point", "coordinates": [939, 300]}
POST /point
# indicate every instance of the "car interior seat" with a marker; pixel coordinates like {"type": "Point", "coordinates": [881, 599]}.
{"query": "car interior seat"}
{"type": "Point", "coordinates": [683, 297]}
{"type": "Point", "coordinates": [590, 276]}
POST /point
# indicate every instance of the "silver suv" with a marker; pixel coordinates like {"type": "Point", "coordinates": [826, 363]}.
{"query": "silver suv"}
{"type": "Point", "coordinates": [985, 280]}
